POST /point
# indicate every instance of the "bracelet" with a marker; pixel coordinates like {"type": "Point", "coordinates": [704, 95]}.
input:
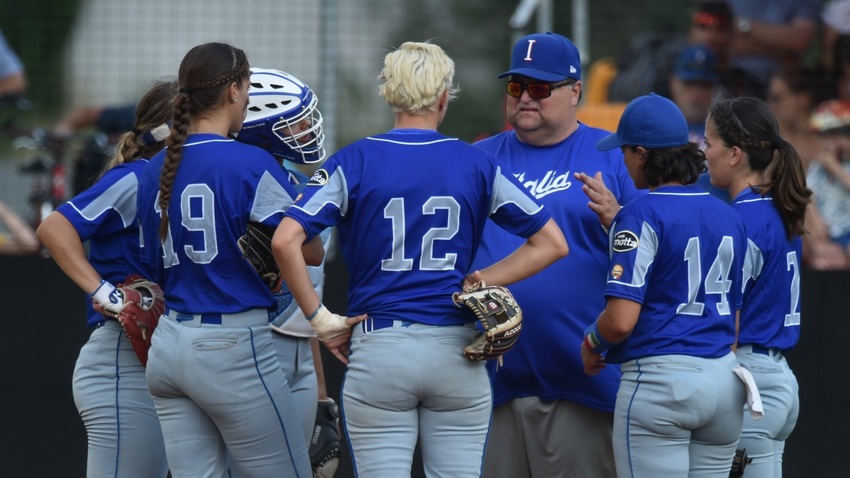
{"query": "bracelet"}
{"type": "Point", "coordinates": [311, 316]}
{"type": "Point", "coordinates": [594, 341]}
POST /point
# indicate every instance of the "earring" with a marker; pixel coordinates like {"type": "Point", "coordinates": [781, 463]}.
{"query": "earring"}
{"type": "Point", "coordinates": [233, 100]}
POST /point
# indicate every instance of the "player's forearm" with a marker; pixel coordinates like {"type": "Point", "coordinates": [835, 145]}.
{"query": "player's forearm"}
{"type": "Point", "coordinates": [618, 319]}
{"type": "Point", "coordinates": [313, 251]}
{"type": "Point", "coordinates": [287, 248]}
{"type": "Point", "coordinates": [61, 239]}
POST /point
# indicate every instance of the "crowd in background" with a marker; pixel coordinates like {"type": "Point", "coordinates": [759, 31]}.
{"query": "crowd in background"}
{"type": "Point", "coordinates": [793, 54]}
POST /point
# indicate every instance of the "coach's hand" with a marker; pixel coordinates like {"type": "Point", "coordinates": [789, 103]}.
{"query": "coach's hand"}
{"type": "Point", "coordinates": [602, 200]}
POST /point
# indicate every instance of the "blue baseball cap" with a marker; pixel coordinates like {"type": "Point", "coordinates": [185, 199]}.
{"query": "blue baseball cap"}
{"type": "Point", "coordinates": [651, 121]}
{"type": "Point", "coordinates": [546, 57]}
{"type": "Point", "coordinates": [697, 63]}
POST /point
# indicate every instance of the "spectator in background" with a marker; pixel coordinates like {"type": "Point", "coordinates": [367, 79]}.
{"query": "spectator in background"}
{"type": "Point", "coordinates": [767, 35]}
{"type": "Point", "coordinates": [693, 87]}
{"type": "Point", "coordinates": [792, 94]}
{"type": "Point", "coordinates": [840, 66]}
{"type": "Point", "coordinates": [835, 22]}
{"type": "Point", "coordinates": [111, 120]}
{"type": "Point", "coordinates": [647, 64]}
{"type": "Point", "coordinates": [829, 178]}
{"type": "Point", "coordinates": [13, 80]}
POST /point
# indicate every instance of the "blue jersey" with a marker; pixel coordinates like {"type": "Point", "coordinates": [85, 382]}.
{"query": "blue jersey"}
{"type": "Point", "coordinates": [562, 300]}
{"type": "Point", "coordinates": [410, 206]}
{"type": "Point", "coordinates": [105, 215]}
{"type": "Point", "coordinates": [770, 315]}
{"type": "Point", "coordinates": [679, 252]}
{"type": "Point", "coordinates": [220, 186]}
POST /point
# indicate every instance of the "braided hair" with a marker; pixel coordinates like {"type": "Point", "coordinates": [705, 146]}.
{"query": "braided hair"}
{"type": "Point", "coordinates": [749, 124]}
{"type": "Point", "coordinates": [205, 72]}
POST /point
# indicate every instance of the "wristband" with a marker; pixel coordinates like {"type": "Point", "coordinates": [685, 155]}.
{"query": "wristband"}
{"type": "Point", "coordinates": [102, 293]}
{"type": "Point", "coordinates": [311, 316]}
{"type": "Point", "coordinates": [594, 341]}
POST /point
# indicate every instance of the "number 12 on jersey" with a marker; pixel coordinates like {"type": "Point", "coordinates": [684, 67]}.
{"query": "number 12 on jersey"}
{"type": "Point", "coordinates": [395, 212]}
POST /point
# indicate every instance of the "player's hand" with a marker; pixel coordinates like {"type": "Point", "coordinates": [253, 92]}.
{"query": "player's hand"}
{"type": "Point", "coordinates": [471, 280]}
{"type": "Point", "coordinates": [107, 300]}
{"type": "Point", "coordinates": [593, 363]}
{"type": "Point", "coordinates": [335, 331]}
{"type": "Point", "coordinates": [602, 200]}
{"type": "Point", "coordinates": [340, 345]}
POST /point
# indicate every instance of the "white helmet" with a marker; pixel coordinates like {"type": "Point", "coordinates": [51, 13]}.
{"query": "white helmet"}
{"type": "Point", "coordinates": [277, 104]}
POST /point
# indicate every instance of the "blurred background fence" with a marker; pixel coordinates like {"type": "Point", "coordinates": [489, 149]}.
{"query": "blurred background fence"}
{"type": "Point", "coordinates": [106, 52]}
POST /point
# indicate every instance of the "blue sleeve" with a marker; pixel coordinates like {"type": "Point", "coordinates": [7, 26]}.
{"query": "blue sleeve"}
{"type": "Point", "coordinates": [107, 207]}
{"type": "Point", "coordinates": [514, 209]}
{"type": "Point", "coordinates": [633, 246]}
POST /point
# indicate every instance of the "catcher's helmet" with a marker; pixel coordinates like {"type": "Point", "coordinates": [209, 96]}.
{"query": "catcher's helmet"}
{"type": "Point", "coordinates": [831, 116]}
{"type": "Point", "coordinates": [278, 105]}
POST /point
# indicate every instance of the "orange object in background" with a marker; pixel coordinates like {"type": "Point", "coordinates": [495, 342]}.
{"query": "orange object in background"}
{"type": "Point", "coordinates": [601, 115]}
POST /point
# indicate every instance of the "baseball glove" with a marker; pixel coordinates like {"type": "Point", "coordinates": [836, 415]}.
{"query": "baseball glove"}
{"type": "Point", "coordinates": [142, 305]}
{"type": "Point", "coordinates": [499, 315]}
{"type": "Point", "coordinates": [256, 246]}
{"type": "Point", "coordinates": [324, 445]}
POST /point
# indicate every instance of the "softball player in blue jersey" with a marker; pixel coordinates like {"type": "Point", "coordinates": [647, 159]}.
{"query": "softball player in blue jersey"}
{"type": "Point", "coordinates": [124, 435]}
{"type": "Point", "coordinates": [764, 175]}
{"type": "Point", "coordinates": [674, 290]}
{"type": "Point", "coordinates": [219, 391]}
{"type": "Point", "coordinates": [408, 234]}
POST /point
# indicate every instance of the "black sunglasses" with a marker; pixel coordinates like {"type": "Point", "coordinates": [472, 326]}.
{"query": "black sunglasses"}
{"type": "Point", "coordinates": [537, 91]}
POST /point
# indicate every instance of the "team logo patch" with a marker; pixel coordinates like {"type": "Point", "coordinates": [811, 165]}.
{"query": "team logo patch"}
{"type": "Point", "coordinates": [320, 177]}
{"type": "Point", "coordinates": [625, 241]}
{"type": "Point", "coordinates": [616, 271]}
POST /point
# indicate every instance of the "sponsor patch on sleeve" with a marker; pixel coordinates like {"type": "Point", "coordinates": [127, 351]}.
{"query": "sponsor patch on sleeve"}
{"type": "Point", "coordinates": [616, 271]}
{"type": "Point", "coordinates": [319, 178]}
{"type": "Point", "coordinates": [625, 241]}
